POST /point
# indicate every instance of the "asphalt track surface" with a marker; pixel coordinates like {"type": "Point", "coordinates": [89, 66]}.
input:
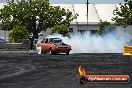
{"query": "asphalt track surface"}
{"type": "Point", "coordinates": [22, 69]}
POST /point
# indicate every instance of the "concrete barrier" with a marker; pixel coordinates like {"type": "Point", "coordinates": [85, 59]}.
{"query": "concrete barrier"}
{"type": "Point", "coordinates": [127, 50]}
{"type": "Point", "coordinates": [15, 46]}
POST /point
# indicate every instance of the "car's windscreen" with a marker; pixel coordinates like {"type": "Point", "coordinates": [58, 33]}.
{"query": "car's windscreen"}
{"type": "Point", "coordinates": [55, 40]}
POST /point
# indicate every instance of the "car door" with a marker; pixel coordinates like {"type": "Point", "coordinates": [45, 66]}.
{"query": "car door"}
{"type": "Point", "coordinates": [48, 45]}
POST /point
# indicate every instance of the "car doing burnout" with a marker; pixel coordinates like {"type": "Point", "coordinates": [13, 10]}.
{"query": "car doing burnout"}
{"type": "Point", "coordinates": [54, 46]}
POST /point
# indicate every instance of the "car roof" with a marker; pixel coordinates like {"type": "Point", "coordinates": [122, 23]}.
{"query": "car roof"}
{"type": "Point", "coordinates": [53, 38]}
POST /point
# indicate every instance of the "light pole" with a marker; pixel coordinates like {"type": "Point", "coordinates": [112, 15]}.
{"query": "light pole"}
{"type": "Point", "coordinates": [87, 14]}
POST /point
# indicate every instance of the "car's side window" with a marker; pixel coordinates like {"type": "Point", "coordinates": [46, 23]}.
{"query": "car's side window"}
{"type": "Point", "coordinates": [43, 41]}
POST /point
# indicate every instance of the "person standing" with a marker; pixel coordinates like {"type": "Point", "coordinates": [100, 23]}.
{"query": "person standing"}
{"type": "Point", "coordinates": [31, 40]}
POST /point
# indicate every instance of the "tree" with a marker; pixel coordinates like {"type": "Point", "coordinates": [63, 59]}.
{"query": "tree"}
{"type": "Point", "coordinates": [35, 15]}
{"type": "Point", "coordinates": [123, 15]}
{"type": "Point", "coordinates": [60, 29]}
{"type": "Point", "coordinates": [105, 27]}
{"type": "Point", "coordinates": [18, 33]}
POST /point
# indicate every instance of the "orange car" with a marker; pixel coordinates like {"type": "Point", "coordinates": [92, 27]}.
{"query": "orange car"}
{"type": "Point", "coordinates": [54, 46]}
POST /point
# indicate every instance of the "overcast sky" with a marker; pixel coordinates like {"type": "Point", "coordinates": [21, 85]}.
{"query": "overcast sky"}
{"type": "Point", "coordinates": [81, 1]}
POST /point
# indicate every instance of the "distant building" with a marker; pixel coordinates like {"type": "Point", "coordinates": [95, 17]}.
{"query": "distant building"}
{"type": "Point", "coordinates": [96, 12]}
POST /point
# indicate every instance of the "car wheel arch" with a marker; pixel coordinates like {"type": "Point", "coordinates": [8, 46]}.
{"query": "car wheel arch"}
{"type": "Point", "coordinates": [50, 48]}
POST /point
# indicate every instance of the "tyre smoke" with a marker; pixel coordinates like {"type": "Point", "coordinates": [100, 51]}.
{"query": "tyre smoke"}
{"type": "Point", "coordinates": [86, 43]}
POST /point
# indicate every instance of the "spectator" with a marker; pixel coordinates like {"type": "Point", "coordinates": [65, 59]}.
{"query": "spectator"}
{"type": "Point", "coordinates": [31, 40]}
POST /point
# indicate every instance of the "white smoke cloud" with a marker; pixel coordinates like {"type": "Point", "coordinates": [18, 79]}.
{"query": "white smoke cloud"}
{"type": "Point", "coordinates": [86, 43]}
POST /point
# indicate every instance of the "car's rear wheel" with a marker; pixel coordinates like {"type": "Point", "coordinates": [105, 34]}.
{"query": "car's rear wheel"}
{"type": "Point", "coordinates": [42, 51]}
{"type": "Point", "coordinates": [67, 53]}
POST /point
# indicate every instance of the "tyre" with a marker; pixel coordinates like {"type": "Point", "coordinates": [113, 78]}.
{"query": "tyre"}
{"type": "Point", "coordinates": [67, 53]}
{"type": "Point", "coordinates": [42, 51]}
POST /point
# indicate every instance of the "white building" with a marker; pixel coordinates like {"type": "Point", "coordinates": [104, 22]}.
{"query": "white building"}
{"type": "Point", "coordinates": [96, 12]}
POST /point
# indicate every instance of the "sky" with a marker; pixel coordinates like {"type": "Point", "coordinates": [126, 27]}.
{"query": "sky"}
{"type": "Point", "coordinates": [81, 1]}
